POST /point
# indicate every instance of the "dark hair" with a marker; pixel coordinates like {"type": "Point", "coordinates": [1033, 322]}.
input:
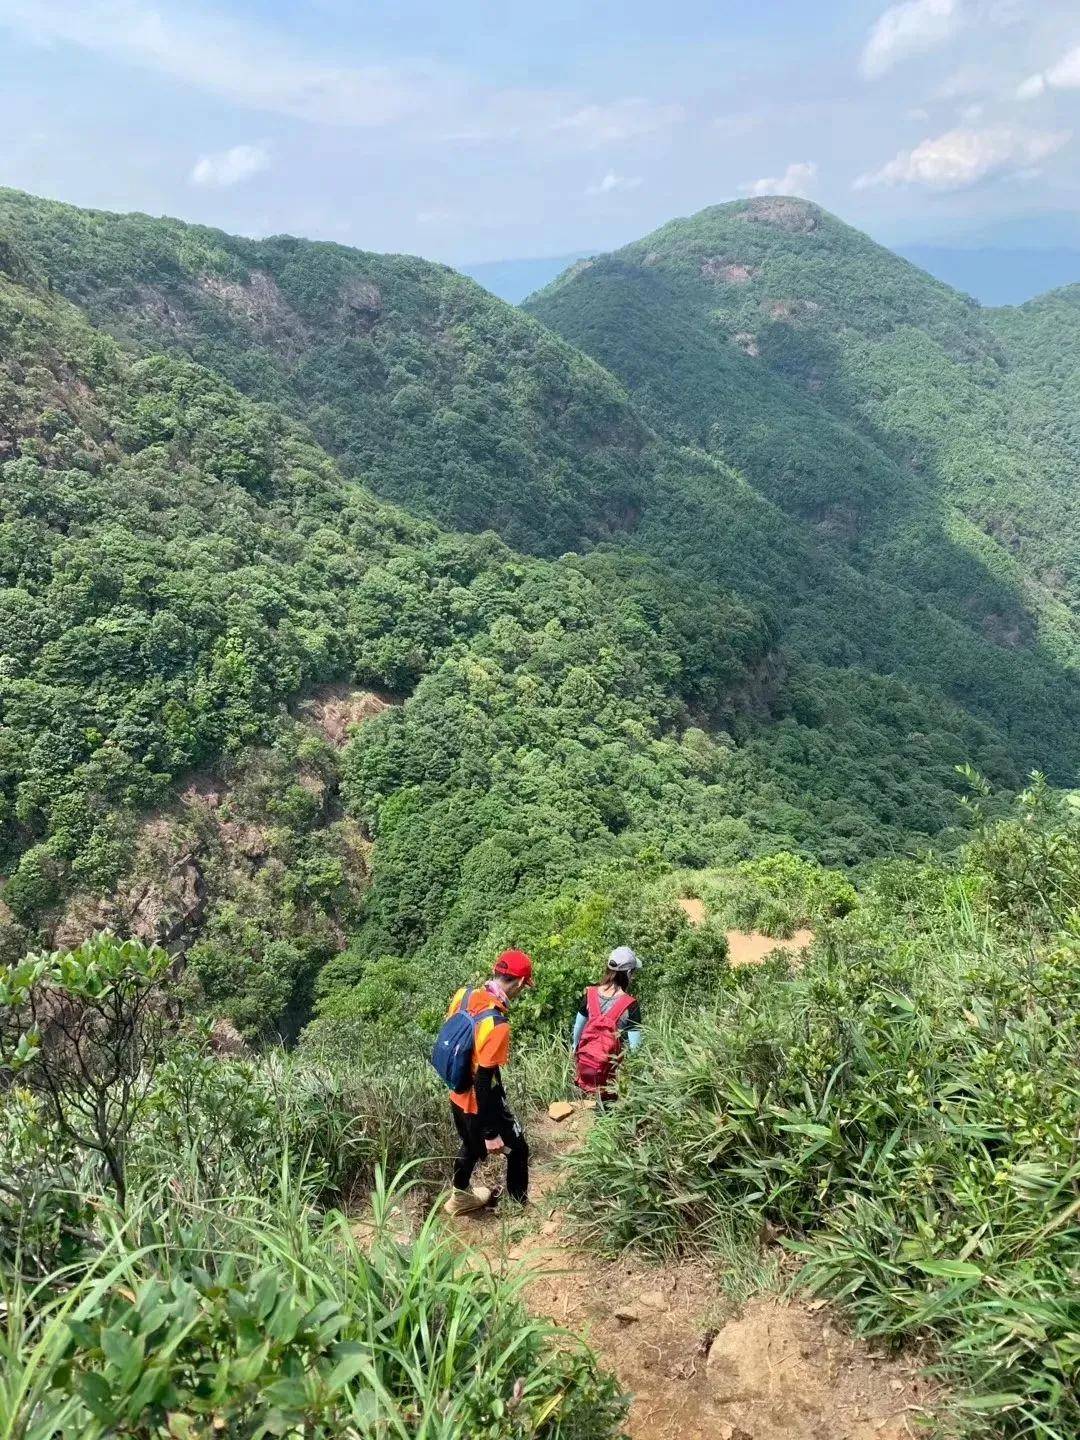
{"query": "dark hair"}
{"type": "Point", "coordinates": [619, 978]}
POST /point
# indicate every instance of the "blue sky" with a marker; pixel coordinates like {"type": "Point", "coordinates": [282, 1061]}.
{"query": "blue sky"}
{"type": "Point", "coordinates": [472, 131]}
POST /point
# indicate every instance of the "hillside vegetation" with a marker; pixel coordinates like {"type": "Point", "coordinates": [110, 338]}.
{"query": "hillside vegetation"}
{"type": "Point", "coordinates": [483, 374]}
{"type": "Point", "coordinates": [852, 389]}
{"type": "Point", "coordinates": [422, 384]}
{"type": "Point", "coordinates": [354, 626]}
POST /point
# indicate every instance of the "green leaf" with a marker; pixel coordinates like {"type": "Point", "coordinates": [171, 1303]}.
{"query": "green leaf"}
{"type": "Point", "coordinates": [1004, 1400]}
{"type": "Point", "coordinates": [286, 1394]}
{"type": "Point", "coordinates": [949, 1269]}
{"type": "Point", "coordinates": [351, 1359]}
{"type": "Point", "coordinates": [97, 1393]}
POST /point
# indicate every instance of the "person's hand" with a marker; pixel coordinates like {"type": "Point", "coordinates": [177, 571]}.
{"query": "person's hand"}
{"type": "Point", "coordinates": [494, 1146]}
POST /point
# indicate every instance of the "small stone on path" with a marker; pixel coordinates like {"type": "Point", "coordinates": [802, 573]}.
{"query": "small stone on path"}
{"type": "Point", "coordinates": [560, 1110]}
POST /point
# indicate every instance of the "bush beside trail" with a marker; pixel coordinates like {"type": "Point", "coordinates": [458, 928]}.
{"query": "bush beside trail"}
{"type": "Point", "coordinates": [904, 1109]}
{"type": "Point", "coordinates": [173, 1261]}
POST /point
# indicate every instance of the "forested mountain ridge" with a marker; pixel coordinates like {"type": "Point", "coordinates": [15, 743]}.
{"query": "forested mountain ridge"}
{"type": "Point", "coordinates": [181, 562]}
{"type": "Point", "coordinates": [435, 393]}
{"type": "Point", "coordinates": [1041, 391]}
{"type": "Point", "coordinates": [859, 393]}
{"type": "Point", "coordinates": [178, 562]}
{"type": "Point", "coordinates": [438, 395]}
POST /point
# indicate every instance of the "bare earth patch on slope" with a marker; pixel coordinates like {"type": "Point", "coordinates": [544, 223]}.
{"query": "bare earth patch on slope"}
{"type": "Point", "coordinates": [334, 710]}
{"type": "Point", "coordinates": [747, 947]}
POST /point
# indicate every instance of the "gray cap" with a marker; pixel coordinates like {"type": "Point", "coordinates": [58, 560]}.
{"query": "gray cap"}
{"type": "Point", "coordinates": [623, 960]}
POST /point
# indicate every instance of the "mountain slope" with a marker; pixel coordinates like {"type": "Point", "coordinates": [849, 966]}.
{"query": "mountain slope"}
{"type": "Point", "coordinates": [721, 679]}
{"type": "Point", "coordinates": [1042, 393]}
{"type": "Point", "coordinates": [857, 392]}
{"type": "Point", "coordinates": [461, 406]}
{"type": "Point", "coordinates": [434, 393]}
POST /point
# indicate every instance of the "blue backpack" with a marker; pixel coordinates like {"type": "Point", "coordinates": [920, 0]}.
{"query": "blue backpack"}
{"type": "Point", "coordinates": [453, 1052]}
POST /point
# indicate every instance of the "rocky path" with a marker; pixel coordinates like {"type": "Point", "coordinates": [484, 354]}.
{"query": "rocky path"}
{"type": "Point", "coordinates": [773, 1370]}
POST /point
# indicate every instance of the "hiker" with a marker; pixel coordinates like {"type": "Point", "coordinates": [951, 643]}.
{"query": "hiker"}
{"type": "Point", "coordinates": [608, 1019]}
{"type": "Point", "coordinates": [472, 1046]}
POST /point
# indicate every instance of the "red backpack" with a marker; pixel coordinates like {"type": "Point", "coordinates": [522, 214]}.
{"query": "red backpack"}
{"type": "Point", "coordinates": [601, 1042]}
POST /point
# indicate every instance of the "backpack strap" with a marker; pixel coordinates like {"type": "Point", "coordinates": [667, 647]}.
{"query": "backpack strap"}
{"type": "Point", "coordinates": [618, 1007]}
{"type": "Point", "coordinates": [620, 1004]}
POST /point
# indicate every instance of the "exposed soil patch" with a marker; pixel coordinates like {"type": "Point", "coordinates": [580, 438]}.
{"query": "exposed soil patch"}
{"type": "Point", "coordinates": [750, 947]}
{"type": "Point", "coordinates": [334, 710]}
{"type": "Point", "coordinates": [693, 909]}
{"type": "Point", "coordinates": [747, 947]}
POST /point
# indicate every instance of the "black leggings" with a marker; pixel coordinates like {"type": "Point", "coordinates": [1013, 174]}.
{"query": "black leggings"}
{"type": "Point", "coordinates": [473, 1149]}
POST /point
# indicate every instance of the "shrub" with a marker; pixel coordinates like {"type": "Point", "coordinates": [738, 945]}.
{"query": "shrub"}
{"type": "Point", "coordinates": [905, 1109]}
{"type": "Point", "coordinates": [261, 1318]}
{"type": "Point", "coordinates": [84, 1031]}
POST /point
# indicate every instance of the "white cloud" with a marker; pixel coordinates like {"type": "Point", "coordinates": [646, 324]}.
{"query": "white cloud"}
{"type": "Point", "coordinates": [1064, 75]}
{"type": "Point", "coordinates": [910, 28]}
{"type": "Point", "coordinates": [244, 64]}
{"type": "Point", "coordinates": [797, 179]}
{"type": "Point", "coordinates": [613, 123]}
{"type": "Point", "coordinates": [612, 182]}
{"type": "Point", "coordinates": [229, 167]}
{"type": "Point", "coordinates": [963, 157]}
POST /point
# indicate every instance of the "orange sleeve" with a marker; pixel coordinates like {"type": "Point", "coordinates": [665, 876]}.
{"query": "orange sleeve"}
{"type": "Point", "coordinates": [492, 1043]}
{"type": "Point", "coordinates": [455, 1002]}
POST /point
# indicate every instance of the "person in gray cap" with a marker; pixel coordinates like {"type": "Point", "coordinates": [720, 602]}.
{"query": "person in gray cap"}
{"type": "Point", "coordinates": [608, 1023]}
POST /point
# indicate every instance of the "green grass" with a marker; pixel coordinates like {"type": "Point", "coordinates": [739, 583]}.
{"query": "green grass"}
{"type": "Point", "coordinates": [904, 1109]}
{"type": "Point", "coordinates": [259, 1315]}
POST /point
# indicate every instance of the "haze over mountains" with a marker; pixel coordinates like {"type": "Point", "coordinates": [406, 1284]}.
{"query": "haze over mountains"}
{"type": "Point", "coordinates": [993, 274]}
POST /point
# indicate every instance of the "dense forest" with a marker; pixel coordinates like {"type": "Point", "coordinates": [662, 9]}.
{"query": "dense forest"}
{"type": "Point", "coordinates": [354, 625]}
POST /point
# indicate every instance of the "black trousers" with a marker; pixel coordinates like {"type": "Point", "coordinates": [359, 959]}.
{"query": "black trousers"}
{"type": "Point", "coordinates": [473, 1149]}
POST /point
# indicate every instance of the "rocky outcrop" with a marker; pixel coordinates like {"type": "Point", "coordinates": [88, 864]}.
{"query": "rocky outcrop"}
{"type": "Point", "coordinates": [160, 910]}
{"type": "Point", "coordinates": [799, 217]}
{"type": "Point", "coordinates": [226, 1041]}
{"type": "Point", "coordinates": [360, 306]}
{"type": "Point", "coordinates": [728, 272]}
{"type": "Point", "coordinates": [260, 305]}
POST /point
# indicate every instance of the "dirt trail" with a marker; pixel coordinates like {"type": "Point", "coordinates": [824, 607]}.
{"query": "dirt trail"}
{"type": "Point", "coordinates": [776, 1370]}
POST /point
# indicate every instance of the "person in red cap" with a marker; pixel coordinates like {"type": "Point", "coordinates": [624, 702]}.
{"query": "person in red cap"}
{"type": "Point", "coordinates": [482, 1117]}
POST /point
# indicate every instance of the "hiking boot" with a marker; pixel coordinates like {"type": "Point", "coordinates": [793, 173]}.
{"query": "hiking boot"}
{"type": "Point", "coordinates": [465, 1202]}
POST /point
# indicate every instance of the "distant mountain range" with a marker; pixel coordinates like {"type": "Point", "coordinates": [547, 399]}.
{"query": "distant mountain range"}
{"type": "Point", "coordinates": [512, 280]}
{"type": "Point", "coordinates": [993, 274]}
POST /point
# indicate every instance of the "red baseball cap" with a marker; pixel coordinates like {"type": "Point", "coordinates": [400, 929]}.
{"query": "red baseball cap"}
{"type": "Point", "coordinates": [515, 965]}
